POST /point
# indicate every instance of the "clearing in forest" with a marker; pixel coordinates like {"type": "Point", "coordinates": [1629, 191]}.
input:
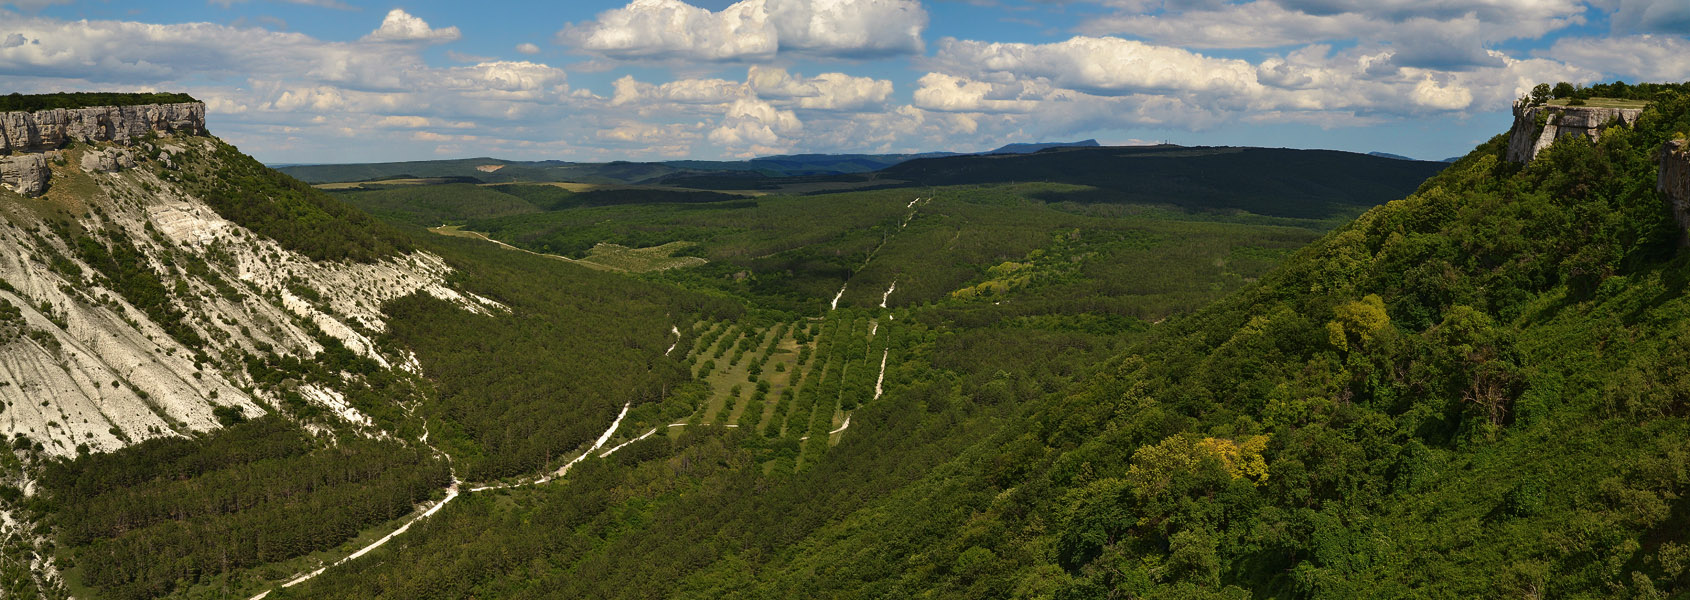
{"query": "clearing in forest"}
{"type": "Point", "coordinates": [797, 381]}
{"type": "Point", "coordinates": [606, 257]}
{"type": "Point", "coordinates": [640, 260]}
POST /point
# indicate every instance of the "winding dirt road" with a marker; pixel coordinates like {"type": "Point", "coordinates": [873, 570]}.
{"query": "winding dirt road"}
{"type": "Point", "coordinates": [455, 489]}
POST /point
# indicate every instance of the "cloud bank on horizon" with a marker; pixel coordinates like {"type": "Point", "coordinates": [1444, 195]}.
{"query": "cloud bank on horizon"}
{"type": "Point", "coordinates": [333, 81]}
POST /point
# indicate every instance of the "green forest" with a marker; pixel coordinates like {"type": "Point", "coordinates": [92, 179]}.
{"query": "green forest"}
{"type": "Point", "coordinates": [36, 102]}
{"type": "Point", "coordinates": [283, 209]}
{"type": "Point", "coordinates": [1470, 392]}
{"type": "Point", "coordinates": [169, 513]}
{"type": "Point", "coordinates": [984, 382]}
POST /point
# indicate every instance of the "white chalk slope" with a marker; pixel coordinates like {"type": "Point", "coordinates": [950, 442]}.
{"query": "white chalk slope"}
{"type": "Point", "coordinates": [97, 371]}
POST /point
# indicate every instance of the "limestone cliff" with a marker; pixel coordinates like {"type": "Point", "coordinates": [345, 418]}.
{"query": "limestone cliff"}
{"type": "Point", "coordinates": [1536, 127]}
{"type": "Point", "coordinates": [22, 133]}
{"type": "Point", "coordinates": [1673, 180]}
{"type": "Point", "coordinates": [25, 174]}
{"type": "Point", "coordinates": [52, 128]}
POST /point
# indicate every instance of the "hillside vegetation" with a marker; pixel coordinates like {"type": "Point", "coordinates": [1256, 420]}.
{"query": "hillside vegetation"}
{"type": "Point", "coordinates": [214, 378]}
{"type": "Point", "coordinates": [1080, 373]}
{"type": "Point", "coordinates": [282, 208]}
{"type": "Point", "coordinates": [1476, 391]}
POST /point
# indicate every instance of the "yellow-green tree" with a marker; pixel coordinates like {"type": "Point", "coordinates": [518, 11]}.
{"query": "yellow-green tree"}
{"type": "Point", "coordinates": [1357, 322]}
{"type": "Point", "coordinates": [1156, 465]}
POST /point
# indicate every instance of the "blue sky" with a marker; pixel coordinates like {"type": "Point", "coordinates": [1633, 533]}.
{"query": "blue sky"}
{"type": "Point", "coordinates": [353, 81]}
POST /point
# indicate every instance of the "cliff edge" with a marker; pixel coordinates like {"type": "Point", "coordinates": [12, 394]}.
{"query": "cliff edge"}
{"type": "Point", "coordinates": [1536, 127]}
{"type": "Point", "coordinates": [24, 136]}
{"type": "Point", "coordinates": [52, 128]}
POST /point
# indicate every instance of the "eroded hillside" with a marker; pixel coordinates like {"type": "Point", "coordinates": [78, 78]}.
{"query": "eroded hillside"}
{"type": "Point", "coordinates": [138, 304]}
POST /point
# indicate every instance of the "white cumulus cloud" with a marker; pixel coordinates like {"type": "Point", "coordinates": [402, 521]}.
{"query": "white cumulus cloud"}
{"type": "Point", "coordinates": [630, 91]}
{"type": "Point", "coordinates": [1638, 57]}
{"type": "Point", "coordinates": [1431, 93]}
{"type": "Point", "coordinates": [1448, 34]}
{"type": "Point", "coordinates": [403, 121]}
{"type": "Point", "coordinates": [849, 27]}
{"type": "Point", "coordinates": [755, 126]}
{"type": "Point", "coordinates": [753, 29]}
{"type": "Point", "coordinates": [401, 26]}
{"type": "Point", "coordinates": [950, 93]}
{"type": "Point", "coordinates": [663, 28]}
{"type": "Point", "coordinates": [1649, 16]}
{"type": "Point", "coordinates": [1103, 66]}
{"type": "Point", "coordinates": [827, 91]}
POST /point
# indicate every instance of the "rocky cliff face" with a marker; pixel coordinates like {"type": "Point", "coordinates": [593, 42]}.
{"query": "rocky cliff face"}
{"type": "Point", "coordinates": [1536, 127]}
{"type": "Point", "coordinates": [109, 160]}
{"type": "Point", "coordinates": [23, 133]}
{"type": "Point", "coordinates": [1673, 181]}
{"type": "Point", "coordinates": [25, 174]}
{"type": "Point", "coordinates": [48, 129]}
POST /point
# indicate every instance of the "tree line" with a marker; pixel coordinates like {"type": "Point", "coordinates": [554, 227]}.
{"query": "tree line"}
{"type": "Point", "coordinates": [37, 102]}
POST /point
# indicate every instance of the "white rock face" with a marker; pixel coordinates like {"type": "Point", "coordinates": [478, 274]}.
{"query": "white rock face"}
{"type": "Point", "coordinates": [108, 160]}
{"type": "Point", "coordinates": [336, 402]}
{"type": "Point", "coordinates": [32, 132]}
{"type": "Point", "coordinates": [95, 370]}
{"type": "Point", "coordinates": [48, 129]}
{"type": "Point", "coordinates": [25, 174]}
{"type": "Point", "coordinates": [1527, 139]}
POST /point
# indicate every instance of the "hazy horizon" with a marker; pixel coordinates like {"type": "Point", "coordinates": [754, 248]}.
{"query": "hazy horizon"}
{"type": "Point", "coordinates": [332, 81]}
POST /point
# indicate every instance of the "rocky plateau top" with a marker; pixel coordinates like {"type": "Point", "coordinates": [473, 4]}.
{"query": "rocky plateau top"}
{"type": "Point", "coordinates": [49, 129]}
{"type": "Point", "coordinates": [25, 135]}
{"type": "Point", "coordinates": [1530, 136]}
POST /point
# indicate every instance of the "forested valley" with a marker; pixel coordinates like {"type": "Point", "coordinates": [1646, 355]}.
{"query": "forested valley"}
{"type": "Point", "coordinates": [968, 384]}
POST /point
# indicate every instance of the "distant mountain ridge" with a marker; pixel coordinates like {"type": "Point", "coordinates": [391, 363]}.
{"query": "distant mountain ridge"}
{"type": "Point", "coordinates": [625, 172]}
{"type": "Point", "coordinates": [1268, 181]}
{"type": "Point", "coordinates": [1258, 180]}
{"type": "Point", "coordinates": [1025, 148]}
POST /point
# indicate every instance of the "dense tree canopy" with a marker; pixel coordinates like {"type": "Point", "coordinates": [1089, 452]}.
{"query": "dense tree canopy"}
{"type": "Point", "coordinates": [34, 102]}
{"type": "Point", "coordinates": [1472, 392]}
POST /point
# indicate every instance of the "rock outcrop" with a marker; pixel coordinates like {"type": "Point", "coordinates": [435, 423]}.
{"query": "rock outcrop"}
{"type": "Point", "coordinates": [52, 128]}
{"type": "Point", "coordinates": [1673, 181]}
{"type": "Point", "coordinates": [1536, 127]}
{"type": "Point", "coordinates": [23, 135]}
{"type": "Point", "coordinates": [25, 174]}
{"type": "Point", "coordinates": [109, 160]}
